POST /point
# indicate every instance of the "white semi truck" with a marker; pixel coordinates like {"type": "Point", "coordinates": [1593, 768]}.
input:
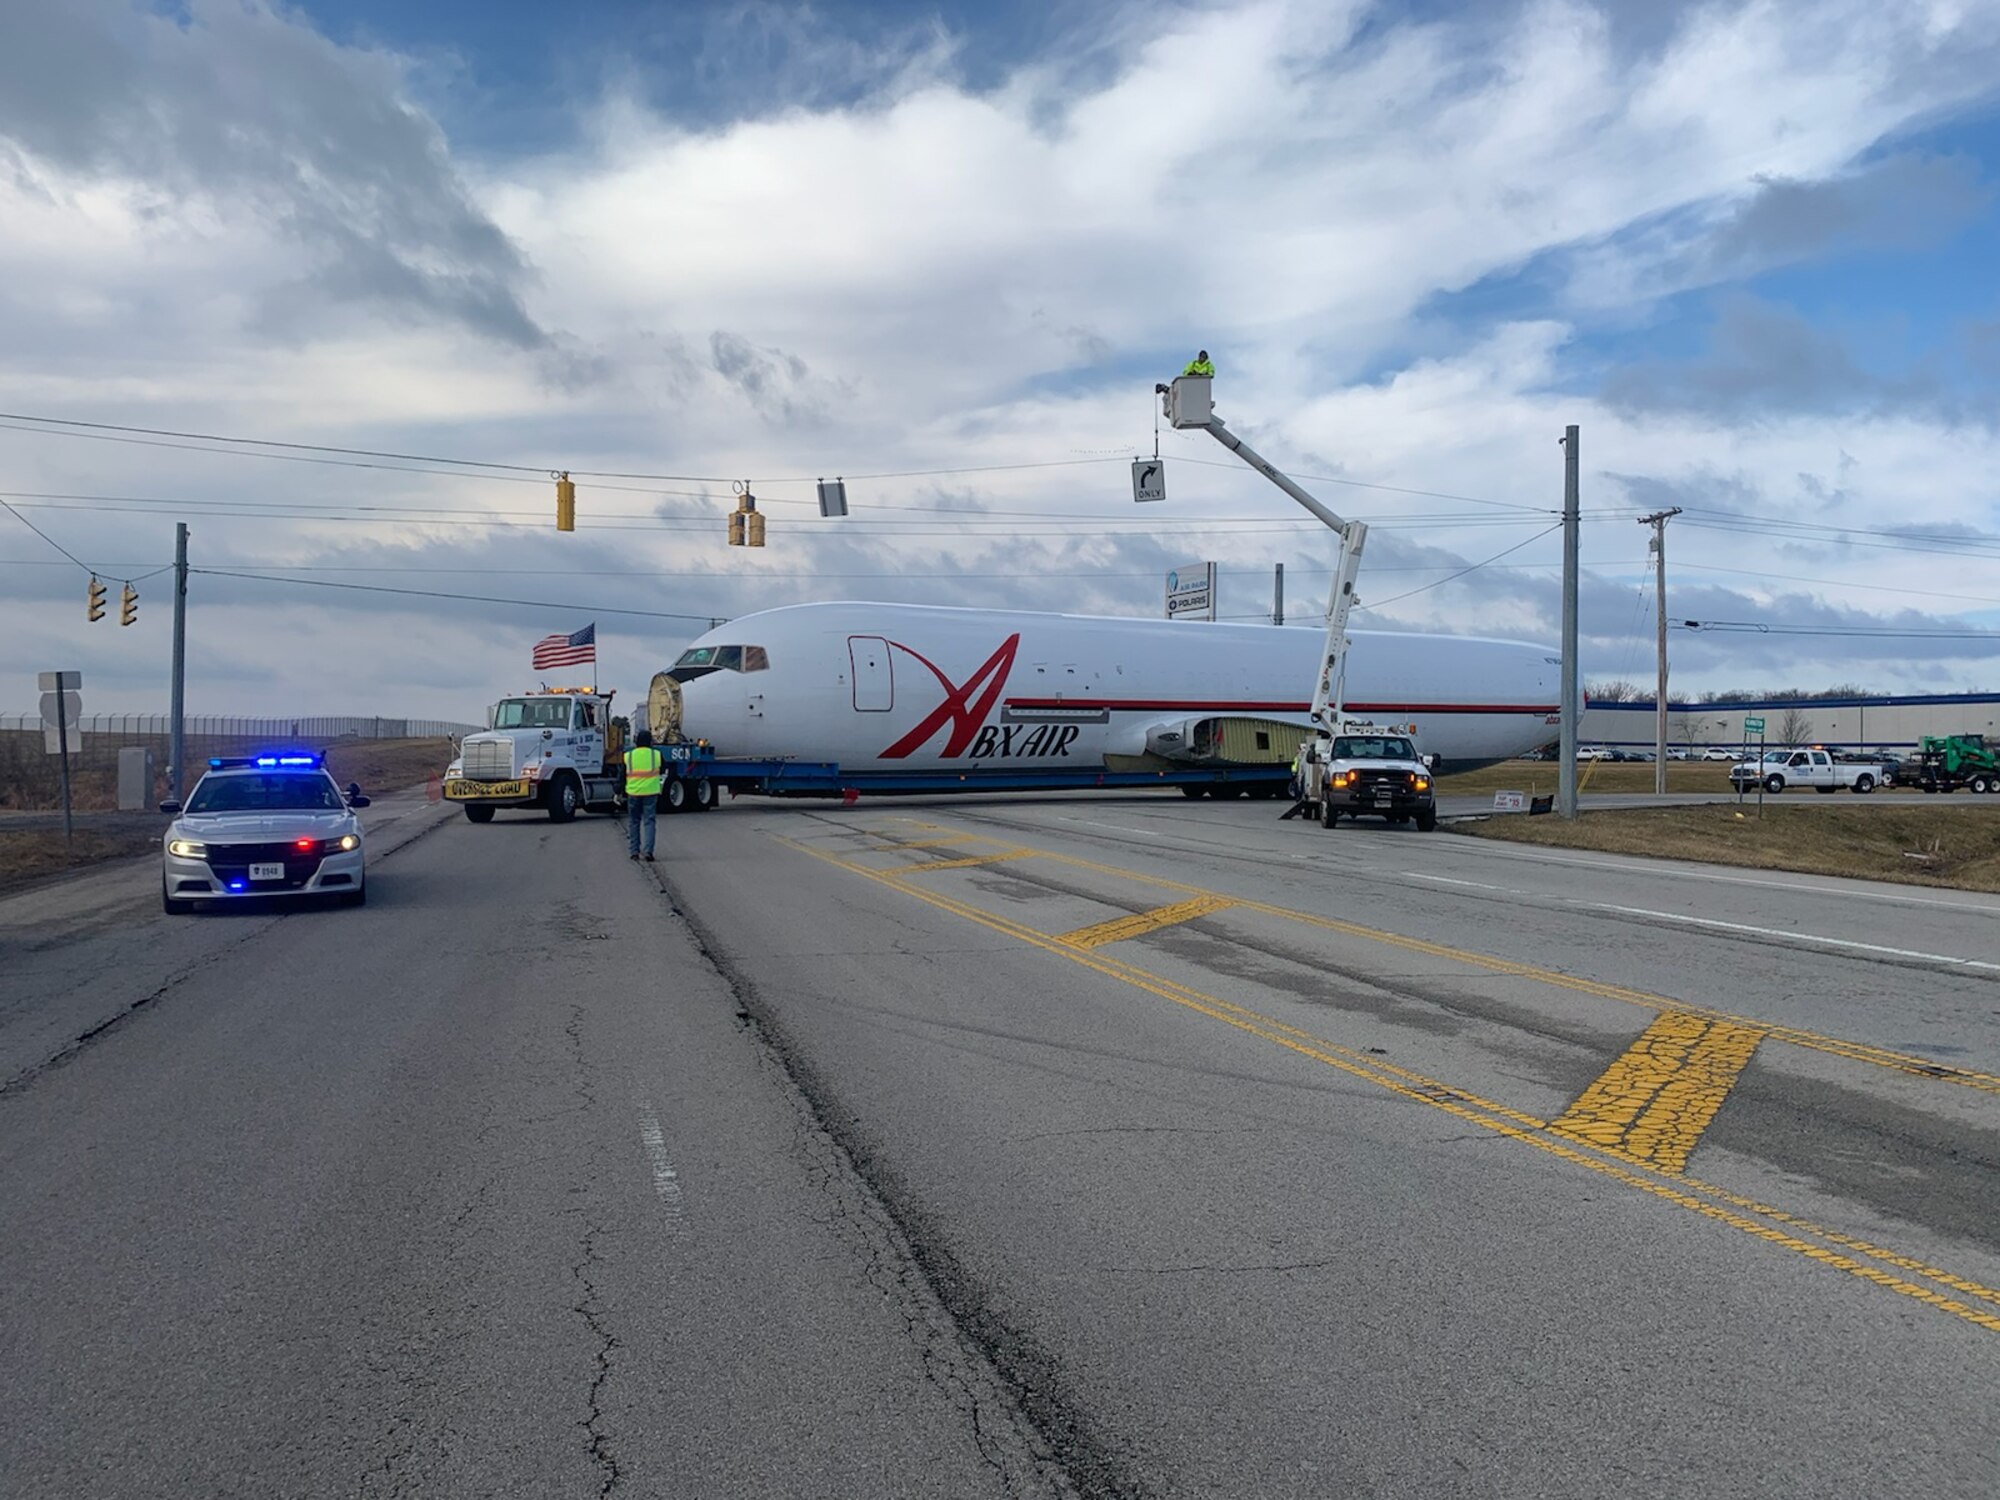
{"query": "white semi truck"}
{"type": "Point", "coordinates": [558, 750]}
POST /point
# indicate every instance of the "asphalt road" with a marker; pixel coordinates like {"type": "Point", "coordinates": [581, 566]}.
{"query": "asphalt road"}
{"type": "Point", "coordinates": [1114, 1147]}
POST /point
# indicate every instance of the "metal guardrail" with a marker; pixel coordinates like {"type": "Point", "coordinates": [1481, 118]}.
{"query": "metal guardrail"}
{"type": "Point", "coordinates": [222, 726]}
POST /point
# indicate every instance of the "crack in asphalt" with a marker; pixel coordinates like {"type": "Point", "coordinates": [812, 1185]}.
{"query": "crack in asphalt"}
{"type": "Point", "coordinates": [590, 1305]}
{"type": "Point", "coordinates": [1007, 1389]}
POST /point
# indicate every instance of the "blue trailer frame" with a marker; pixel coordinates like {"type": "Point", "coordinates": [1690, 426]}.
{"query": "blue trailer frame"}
{"type": "Point", "coordinates": [793, 778]}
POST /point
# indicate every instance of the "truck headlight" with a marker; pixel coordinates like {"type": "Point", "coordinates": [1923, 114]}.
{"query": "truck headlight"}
{"type": "Point", "coordinates": [187, 848]}
{"type": "Point", "coordinates": [1423, 783]}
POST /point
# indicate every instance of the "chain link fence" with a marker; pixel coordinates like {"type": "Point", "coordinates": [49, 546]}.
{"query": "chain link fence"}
{"type": "Point", "coordinates": [222, 726]}
{"type": "Point", "coordinates": [30, 776]}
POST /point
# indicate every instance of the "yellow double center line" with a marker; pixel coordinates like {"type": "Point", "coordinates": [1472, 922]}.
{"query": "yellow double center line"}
{"type": "Point", "coordinates": [1617, 1160]}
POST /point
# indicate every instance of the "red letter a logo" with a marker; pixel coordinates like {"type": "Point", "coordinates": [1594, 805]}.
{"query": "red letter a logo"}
{"type": "Point", "coordinates": [964, 718]}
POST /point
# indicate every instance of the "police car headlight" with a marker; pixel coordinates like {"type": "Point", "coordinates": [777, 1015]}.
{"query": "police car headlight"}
{"type": "Point", "coordinates": [348, 841]}
{"type": "Point", "coordinates": [187, 848]}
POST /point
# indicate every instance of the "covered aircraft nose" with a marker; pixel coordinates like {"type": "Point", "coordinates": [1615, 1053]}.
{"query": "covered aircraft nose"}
{"type": "Point", "coordinates": [664, 708]}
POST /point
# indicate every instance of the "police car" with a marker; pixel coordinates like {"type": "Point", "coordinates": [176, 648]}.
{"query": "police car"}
{"type": "Point", "coordinates": [263, 825]}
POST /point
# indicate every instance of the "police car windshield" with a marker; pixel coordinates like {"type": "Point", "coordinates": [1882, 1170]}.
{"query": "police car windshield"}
{"type": "Point", "coordinates": [532, 713]}
{"type": "Point", "coordinates": [1349, 747]}
{"type": "Point", "coordinates": [274, 791]}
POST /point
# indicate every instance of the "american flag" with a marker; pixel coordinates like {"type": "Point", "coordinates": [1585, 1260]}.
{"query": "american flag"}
{"type": "Point", "coordinates": [566, 650]}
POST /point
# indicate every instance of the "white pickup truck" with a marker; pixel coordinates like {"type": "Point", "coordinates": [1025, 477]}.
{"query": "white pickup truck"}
{"type": "Point", "coordinates": [1814, 768]}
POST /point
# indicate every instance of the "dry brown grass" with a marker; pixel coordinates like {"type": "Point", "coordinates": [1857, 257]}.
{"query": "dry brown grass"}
{"type": "Point", "coordinates": [1957, 845]}
{"type": "Point", "coordinates": [31, 855]}
{"type": "Point", "coordinates": [1539, 776]}
{"type": "Point", "coordinates": [28, 855]}
{"type": "Point", "coordinates": [30, 780]}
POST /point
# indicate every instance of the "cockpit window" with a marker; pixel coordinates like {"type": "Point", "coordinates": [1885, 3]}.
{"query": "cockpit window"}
{"type": "Point", "coordinates": [699, 661]}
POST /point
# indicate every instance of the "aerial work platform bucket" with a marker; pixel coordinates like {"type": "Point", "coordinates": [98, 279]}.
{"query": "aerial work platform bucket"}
{"type": "Point", "coordinates": [1189, 402]}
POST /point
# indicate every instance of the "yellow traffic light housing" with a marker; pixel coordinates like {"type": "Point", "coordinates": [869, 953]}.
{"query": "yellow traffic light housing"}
{"type": "Point", "coordinates": [96, 607]}
{"type": "Point", "coordinates": [746, 525]}
{"type": "Point", "coordinates": [565, 503]}
{"type": "Point", "coordinates": [128, 606]}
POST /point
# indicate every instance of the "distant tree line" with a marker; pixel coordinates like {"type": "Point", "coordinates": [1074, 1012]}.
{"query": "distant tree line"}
{"type": "Point", "coordinates": [1620, 690]}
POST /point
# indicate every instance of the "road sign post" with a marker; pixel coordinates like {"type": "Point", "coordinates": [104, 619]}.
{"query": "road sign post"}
{"type": "Point", "coordinates": [62, 706]}
{"type": "Point", "coordinates": [1756, 726]}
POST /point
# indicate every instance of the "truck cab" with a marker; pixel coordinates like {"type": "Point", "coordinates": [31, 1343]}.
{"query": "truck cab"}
{"type": "Point", "coordinates": [556, 749]}
{"type": "Point", "coordinates": [1366, 771]}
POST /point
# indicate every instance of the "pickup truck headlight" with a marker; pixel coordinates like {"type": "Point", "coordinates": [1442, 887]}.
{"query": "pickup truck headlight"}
{"type": "Point", "coordinates": [187, 848]}
{"type": "Point", "coordinates": [1423, 783]}
{"type": "Point", "coordinates": [1341, 778]}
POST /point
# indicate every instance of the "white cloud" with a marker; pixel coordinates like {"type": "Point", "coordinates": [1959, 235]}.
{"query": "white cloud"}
{"type": "Point", "coordinates": [933, 277]}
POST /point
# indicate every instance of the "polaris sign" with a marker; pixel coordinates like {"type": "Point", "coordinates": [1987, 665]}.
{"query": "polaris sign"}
{"type": "Point", "coordinates": [1191, 592]}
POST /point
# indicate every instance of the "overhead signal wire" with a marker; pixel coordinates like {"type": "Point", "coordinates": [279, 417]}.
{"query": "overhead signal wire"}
{"type": "Point", "coordinates": [1474, 568]}
{"type": "Point", "coordinates": [374, 588]}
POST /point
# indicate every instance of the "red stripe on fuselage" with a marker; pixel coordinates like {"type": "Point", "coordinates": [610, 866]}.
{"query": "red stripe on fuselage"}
{"type": "Point", "coordinates": [1133, 705]}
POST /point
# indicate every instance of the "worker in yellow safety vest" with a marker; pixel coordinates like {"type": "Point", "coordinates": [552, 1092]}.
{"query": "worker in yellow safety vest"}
{"type": "Point", "coordinates": [643, 780]}
{"type": "Point", "coordinates": [1199, 365]}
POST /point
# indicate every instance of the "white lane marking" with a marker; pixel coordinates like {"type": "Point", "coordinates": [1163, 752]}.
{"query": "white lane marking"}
{"type": "Point", "coordinates": [666, 1181]}
{"type": "Point", "coordinates": [1474, 885]}
{"type": "Point", "coordinates": [1652, 867]}
{"type": "Point", "coordinates": [1797, 937]}
{"type": "Point", "coordinates": [1115, 827]}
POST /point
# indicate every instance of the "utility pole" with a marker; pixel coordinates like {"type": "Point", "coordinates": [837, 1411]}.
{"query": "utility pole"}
{"type": "Point", "coordinates": [179, 702]}
{"type": "Point", "coordinates": [1278, 596]}
{"type": "Point", "coordinates": [1566, 745]}
{"type": "Point", "coordinates": [1658, 521]}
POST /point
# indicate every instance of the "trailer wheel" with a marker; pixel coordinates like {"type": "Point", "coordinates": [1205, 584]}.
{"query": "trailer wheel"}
{"type": "Point", "coordinates": [1979, 786]}
{"type": "Point", "coordinates": [1864, 784]}
{"type": "Point", "coordinates": [1774, 784]}
{"type": "Point", "coordinates": [705, 795]}
{"type": "Point", "coordinates": [1191, 792]}
{"type": "Point", "coordinates": [477, 814]}
{"type": "Point", "coordinates": [674, 796]}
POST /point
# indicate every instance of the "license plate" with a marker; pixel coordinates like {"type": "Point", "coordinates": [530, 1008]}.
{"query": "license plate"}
{"type": "Point", "coordinates": [1385, 795]}
{"type": "Point", "coordinates": [267, 872]}
{"type": "Point", "coordinates": [462, 790]}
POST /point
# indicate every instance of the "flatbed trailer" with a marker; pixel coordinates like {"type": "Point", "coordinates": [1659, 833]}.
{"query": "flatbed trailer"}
{"type": "Point", "coordinates": [695, 774]}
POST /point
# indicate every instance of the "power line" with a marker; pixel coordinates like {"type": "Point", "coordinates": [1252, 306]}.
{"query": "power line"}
{"type": "Point", "coordinates": [376, 588]}
{"type": "Point", "coordinates": [1474, 568]}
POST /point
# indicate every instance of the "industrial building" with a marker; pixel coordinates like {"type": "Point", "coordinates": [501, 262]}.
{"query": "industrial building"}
{"type": "Point", "coordinates": [1886, 723]}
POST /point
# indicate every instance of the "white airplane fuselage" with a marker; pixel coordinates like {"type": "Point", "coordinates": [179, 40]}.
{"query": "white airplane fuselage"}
{"type": "Point", "coordinates": [889, 690]}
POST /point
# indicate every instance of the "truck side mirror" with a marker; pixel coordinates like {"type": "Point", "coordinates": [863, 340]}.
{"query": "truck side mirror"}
{"type": "Point", "coordinates": [170, 808]}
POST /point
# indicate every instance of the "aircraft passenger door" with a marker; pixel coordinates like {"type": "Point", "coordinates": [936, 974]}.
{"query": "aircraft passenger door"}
{"type": "Point", "coordinates": [874, 685]}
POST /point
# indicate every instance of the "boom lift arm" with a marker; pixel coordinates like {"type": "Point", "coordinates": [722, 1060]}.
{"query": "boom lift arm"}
{"type": "Point", "coordinates": [1189, 403]}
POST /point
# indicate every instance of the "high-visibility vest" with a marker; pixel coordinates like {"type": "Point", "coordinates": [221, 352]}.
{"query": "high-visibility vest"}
{"type": "Point", "coordinates": [1199, 367]}
{"type": "Point", "coordinates": [642, 771]}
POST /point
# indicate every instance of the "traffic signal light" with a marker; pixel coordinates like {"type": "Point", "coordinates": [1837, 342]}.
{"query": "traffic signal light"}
{"type": "Point", "coordinates": [565, 503]}
{"type": "Point", "coordinates": [128, 606]}
{"type": "Point", "coordinates": [96, 609]}
{"type": "Point", "coordinates": [746, 524]}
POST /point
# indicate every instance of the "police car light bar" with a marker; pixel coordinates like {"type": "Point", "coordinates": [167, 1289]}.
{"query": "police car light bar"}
{"type": "Point", "coordinates": [223, 762]}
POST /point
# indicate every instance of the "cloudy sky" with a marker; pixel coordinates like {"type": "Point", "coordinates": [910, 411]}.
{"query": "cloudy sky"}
{"type": "Point", "coordinates": [1749, 248]}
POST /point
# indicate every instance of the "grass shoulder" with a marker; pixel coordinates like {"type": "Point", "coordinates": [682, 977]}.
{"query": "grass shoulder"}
{"type": "Point", "coordinates": [1953, 845]}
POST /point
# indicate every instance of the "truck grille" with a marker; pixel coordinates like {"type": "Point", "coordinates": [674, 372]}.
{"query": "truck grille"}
{"type": "Point", "coordinates": [489, 760]}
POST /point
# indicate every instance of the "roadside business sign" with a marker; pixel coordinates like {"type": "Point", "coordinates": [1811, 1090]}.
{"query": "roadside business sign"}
{"type": "Point", "coordinates": [1753, 726]}
{"type": "Point", "coordinates": [1191, 592]}
{"type": "Point", "coordinates": [1510, 802]}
